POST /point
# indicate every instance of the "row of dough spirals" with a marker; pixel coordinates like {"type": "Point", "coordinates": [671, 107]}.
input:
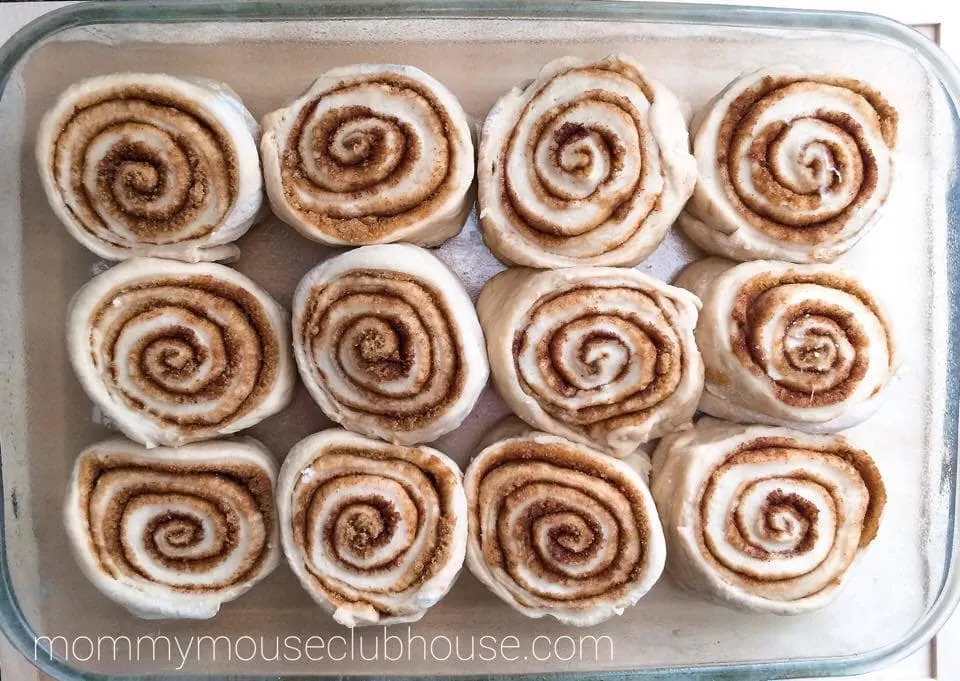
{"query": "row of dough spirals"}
{"type": "Point", "coordinates": [589, 164]}
{"type": "Point", "coordinates": [597, 360]}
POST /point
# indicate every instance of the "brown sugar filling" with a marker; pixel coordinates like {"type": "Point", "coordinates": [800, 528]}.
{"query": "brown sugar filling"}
{"type": "Point", "coordinates": [216, 491]}
{"type": "Point", "coordinates": [804, 516]}
{"type": "Point", "coordinates": [244, 368]}
{"type": "Point", "coordinates": [658, 349]}
{"type": "Point", "coordinates": [532, 224]}
{"type": "Point", "coordinates": [820, 379]}
{"type": "Point", "coordinates": [790, 223]}
{"type": "Point", "coordinates": [386, 319]}
{"type": "Point", "coordinates": [360, 169]}
{"type": "Point", "coordinates": [197, 164]}
{"type": "Point", "coordinates": [360, 525]}
{"type": "Point", "coordinates": [523, 478]}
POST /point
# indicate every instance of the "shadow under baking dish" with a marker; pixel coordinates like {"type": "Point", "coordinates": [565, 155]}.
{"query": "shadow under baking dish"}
{"type": "Point", "coordinates": [900, 592]}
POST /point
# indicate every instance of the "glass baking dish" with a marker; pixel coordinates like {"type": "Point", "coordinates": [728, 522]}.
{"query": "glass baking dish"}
{"type": "Point", "coordinates": [903, 589]}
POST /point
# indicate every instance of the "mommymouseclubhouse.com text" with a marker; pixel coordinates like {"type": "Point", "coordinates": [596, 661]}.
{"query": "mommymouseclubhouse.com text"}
{"type": "Point", "coordinates": [366, 645]}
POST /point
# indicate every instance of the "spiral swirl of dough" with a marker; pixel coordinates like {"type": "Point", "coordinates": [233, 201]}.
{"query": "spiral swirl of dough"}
{"type": "Point", "coordinates": [762, 518]}
{"type": "Point", "coordinates": [793, 166]}
{"type": "Point", "coordinates": [179, 352]}
{"type": "Point", "coordinates": [139, 164]}
{"type": "Point", "coordinates": [603, 356]}
{"type": "Point", "coordinates": [559, 529]}
{"type": "Point", "coordinates": [388, 343]}
{"type": "Point", "coordinates": [587, 165]}
{"type": "Point", "coordinates": [174, 533]}
{"type": "Point", "coordinates": [375, 532]}
{"type": "Point", "coordinates": [371, 153]}
{"type": "Point", "coordinates": [804, 346]}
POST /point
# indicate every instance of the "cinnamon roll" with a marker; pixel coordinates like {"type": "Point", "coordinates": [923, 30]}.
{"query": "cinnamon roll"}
{"type": "Point", "coordinates": [762, 518]}
{"type": "Point", "coordinates": [145, 164]}
{"type": "Point", "coordinates": [370, 154]}
{"type": "Point", "coordinates": [792, 166]}
{"type": "Point", "coordinates": [388, 344]}
{"type": "Point", "coordinates": [179, 352]}
{"type": "Point", "coordinates": [599, 355]}
{"type": "Point", "coordinates": [587, 165]}
{"type": "Point", "coordinates": [173, 533]}
{"type": "Point", "coordinates": [559, 529]}
{"type": "Point", "coordinates": [803, 346]}
{"type": "Point", "coordinates": [375, 532]}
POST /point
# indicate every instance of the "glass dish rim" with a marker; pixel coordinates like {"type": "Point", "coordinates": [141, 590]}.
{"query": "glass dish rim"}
{"type": "Point", "coordinates": [13, 622]}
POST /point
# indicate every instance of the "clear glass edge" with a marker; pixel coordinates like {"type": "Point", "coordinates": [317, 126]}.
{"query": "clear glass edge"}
{"type": "Point", "coordinates": [13, 623]}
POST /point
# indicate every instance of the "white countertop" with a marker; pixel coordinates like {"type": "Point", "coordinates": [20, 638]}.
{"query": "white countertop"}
{"type": "Point", "coordinates": [939, 20]}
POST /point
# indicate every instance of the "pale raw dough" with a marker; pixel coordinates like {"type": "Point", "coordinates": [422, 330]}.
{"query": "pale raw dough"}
{"type": "Point", "coordinates": [329, 480]}
{"type": "Point", "coordinates": [132, 515]}
{"type": "Point", "coordinates": [569, 177]}
{"type": "Point", "coordinates": [761, 518]}
{"type": "Point", "coordinates": [146, 340]}
{"type": "Point", "coordinates": [388, 343]}
{"type": "Point", "coordinates": [551, 496]}
{"type": "Point", "coordinates": [600, 355]}
{"type": "Point", "coordinates": [825, 175]}
{"type": "Point", "coordinates": [345, 178]}
{"type": "Point", "coordinates": [809, 347]}
{"type": "Point", "coordinates": [109, 142]}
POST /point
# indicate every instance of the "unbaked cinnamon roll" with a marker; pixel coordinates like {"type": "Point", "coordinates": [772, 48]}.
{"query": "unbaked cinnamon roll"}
{"type": "Point", "coordinates": [177, 352]}
{"type": "Point", "coordinates": [370, 154]}
{"type": "Point", "coordinates": [375, 532]}
{"type": "Point", "coordinates": [174, 533]}
{"type": "Point", "coordinates": [792, 166]}
{"type": "Point", "coordinates": [599, 355]}
{"type": "Point", "coordinates": [560, 529]}
{"type": "Point", "coordinates": [145, 164]}
{"type": "Point", "coordinates": [388, 344]}
{"type": "Point", "coordinates": [587, 165]}
{"type": "Point", "coordinates": [803, 346]}
{"type": "Point", "coordinates": [764, 519]}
